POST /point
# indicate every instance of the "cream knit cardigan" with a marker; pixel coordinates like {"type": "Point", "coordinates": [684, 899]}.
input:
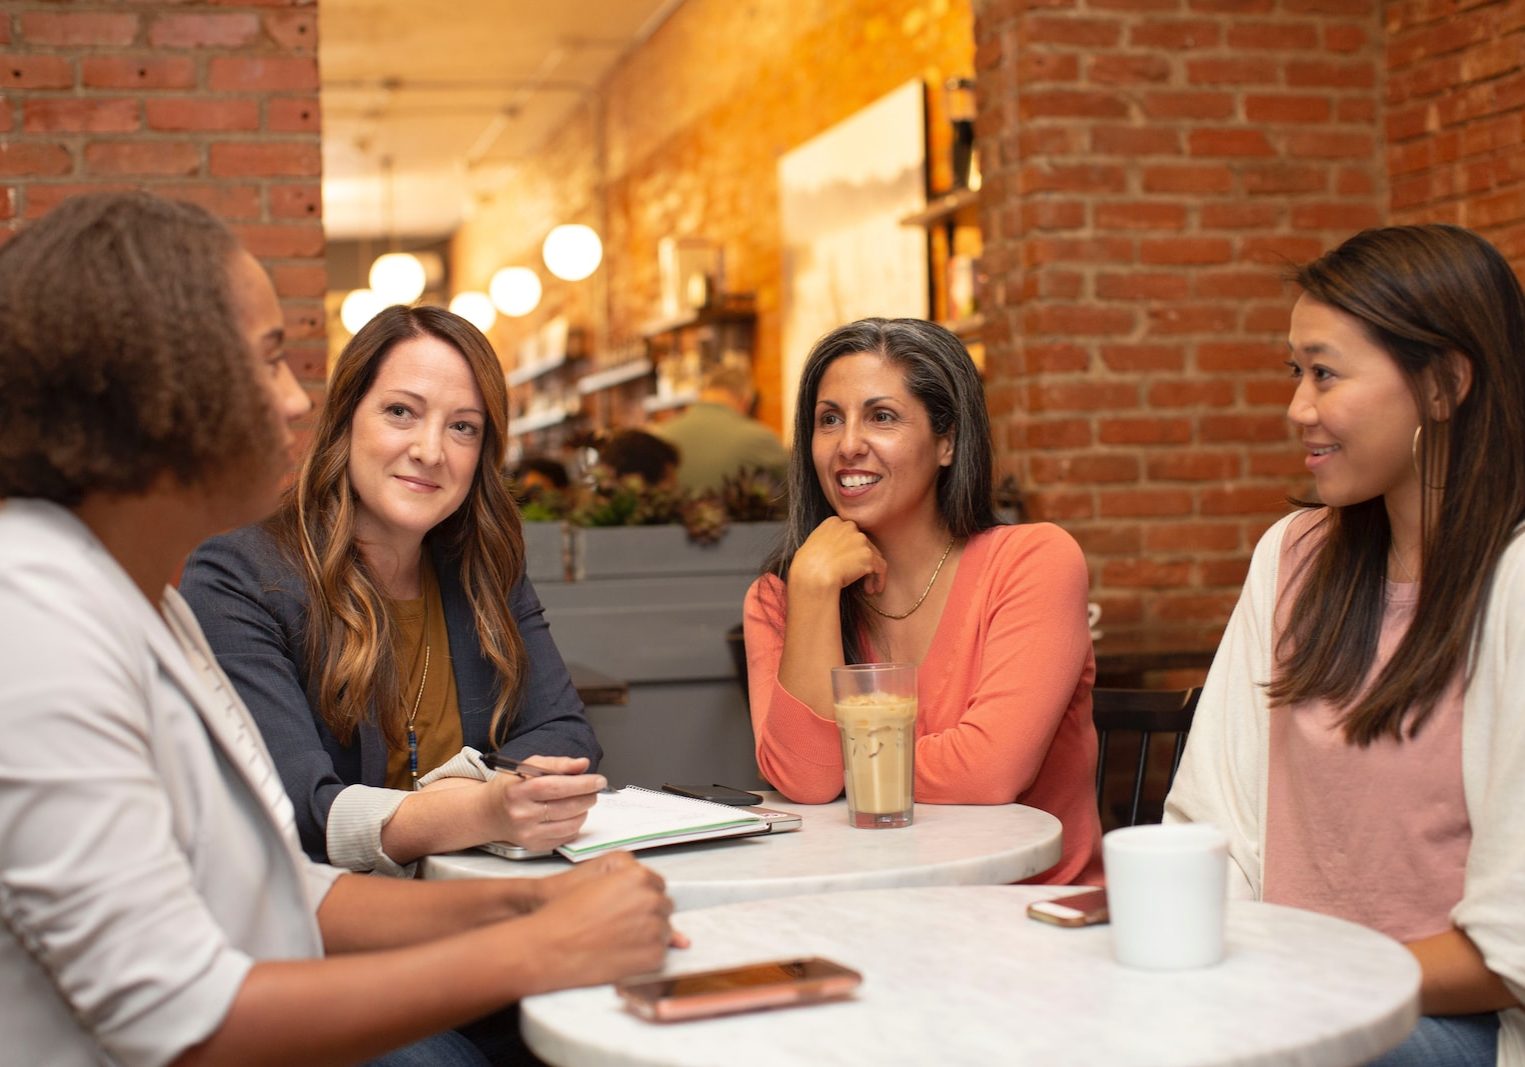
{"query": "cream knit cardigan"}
{"type": "Point", "coordinates": [1223, 774]}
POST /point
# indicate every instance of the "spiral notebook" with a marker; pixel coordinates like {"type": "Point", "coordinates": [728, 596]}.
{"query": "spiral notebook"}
{"type": "Point", "coordinates": [634, 818]}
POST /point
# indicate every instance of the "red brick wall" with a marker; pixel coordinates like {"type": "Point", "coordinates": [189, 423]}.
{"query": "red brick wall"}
{"type": "Point", "coordinates": [215, 103]}
{"type": "Point", "coordinates": [1455, 118]}
{"type": "Point", "coordinates": [1150, 166]}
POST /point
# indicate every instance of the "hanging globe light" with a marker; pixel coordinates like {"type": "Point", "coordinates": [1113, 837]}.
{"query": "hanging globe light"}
{"type": "Point", "coordinates": [476, 308]}
{"type": "Point", "coordinates": [572, 252]}
{"type": "Point", "coordinates": [398, 278]}
{"type": "Point", "coordinates": [360, 307]}
{"type": "Point", "coordinates": [515, 291]}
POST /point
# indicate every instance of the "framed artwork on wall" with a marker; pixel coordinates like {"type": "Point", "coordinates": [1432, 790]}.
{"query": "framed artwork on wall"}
{"type": "Point", "coordinates": [846, 254]}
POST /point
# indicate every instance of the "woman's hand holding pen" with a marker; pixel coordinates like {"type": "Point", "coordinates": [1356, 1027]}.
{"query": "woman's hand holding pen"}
{"type": "Point", "coordinates": [540, 811]}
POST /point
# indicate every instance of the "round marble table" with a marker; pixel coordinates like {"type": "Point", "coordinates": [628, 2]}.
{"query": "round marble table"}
{"type": "Point", "coordinates": [961, 975]}
{"type": "Point", "coordinates": [946, 845]}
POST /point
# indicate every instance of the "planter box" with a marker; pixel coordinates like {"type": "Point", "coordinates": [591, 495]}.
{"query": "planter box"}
{"type": "Point", "coordinates": [545, 552]}
{"type": "Point", "coordinates": [648, 605]}
{"type": "Point", "coordinates": [655, 551]}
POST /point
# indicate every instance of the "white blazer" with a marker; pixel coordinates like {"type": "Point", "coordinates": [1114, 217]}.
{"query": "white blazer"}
{"type": "Point", "coordinates": [147, 851]}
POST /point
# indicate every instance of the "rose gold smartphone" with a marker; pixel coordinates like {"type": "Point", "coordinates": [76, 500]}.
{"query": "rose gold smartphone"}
{"type": "Point", "coordinates": [1077, 909]}
{"type": "Point", "coordinates": [759, 985]}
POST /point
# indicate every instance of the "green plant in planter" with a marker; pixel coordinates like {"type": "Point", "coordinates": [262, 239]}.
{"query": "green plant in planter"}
{"type": "Point", "coordinates": [750, 495]}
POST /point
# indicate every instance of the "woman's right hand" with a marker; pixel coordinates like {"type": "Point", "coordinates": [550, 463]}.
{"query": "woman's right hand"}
{"type": "Point", "coordinates": [834, 556]}
{"type": "Point", "coordinates": [611, 922]}
{"type": "Point", "coordinates": [541, 812]}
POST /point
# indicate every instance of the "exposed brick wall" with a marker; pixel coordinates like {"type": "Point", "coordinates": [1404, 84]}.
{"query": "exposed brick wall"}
{"type": "Point", "coordinates": [1455, 117]}
{"type": "Point", "coordinates": [693, 124]}
{"type": "Point", "coordinates": [215, 103]}
{"type": "Point", "coordinates": [1156, 164]}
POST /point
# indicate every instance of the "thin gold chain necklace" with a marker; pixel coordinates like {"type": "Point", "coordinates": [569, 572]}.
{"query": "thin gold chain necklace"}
{"type": "Point", "coordinates": [921, 599]}
{"type": "Point", "coordinates": [419, 699]}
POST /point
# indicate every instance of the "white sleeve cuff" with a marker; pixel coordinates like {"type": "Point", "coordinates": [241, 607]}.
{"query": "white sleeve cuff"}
{"type": "Point", "coordinates": [354, 829]}
{"type": "Point", "coordinates": [467, 763]}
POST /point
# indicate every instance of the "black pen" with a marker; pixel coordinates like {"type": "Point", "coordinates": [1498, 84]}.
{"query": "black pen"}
{"type": "Point", "coordinates": [523, 770]}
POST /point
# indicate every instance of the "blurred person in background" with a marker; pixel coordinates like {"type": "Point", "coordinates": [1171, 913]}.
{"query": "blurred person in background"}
{"type": "Point", "coordinates": [716, 435]}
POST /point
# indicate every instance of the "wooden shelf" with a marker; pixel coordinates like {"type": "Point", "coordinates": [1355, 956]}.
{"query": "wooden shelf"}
{"type": "Point", "coordinates": [959, 206]}
{"type": "Point", "coordinates": [730, 307]}
{"type": "Point", "coordinates": [618, 374]}
{"type": "Point", "coordinates": [541, 421]}
{"type": "Point", "coordinates": [968, 327]}
{"type": "Point", "coordinates": [529, 372]}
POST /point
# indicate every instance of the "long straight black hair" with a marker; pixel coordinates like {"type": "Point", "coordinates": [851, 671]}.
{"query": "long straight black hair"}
{"type": "Point", "coordinates": [1426, 295]}
{"type": "Point", "coordinates": [941, 375]}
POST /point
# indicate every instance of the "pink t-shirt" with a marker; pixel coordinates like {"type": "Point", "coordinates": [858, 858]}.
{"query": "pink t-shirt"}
{"type": "Point", "coordinates": [1377, 835]}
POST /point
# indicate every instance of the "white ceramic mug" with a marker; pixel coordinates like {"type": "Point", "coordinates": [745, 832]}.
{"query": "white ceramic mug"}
{"type": "Point", "coordinates": [1166, 887]}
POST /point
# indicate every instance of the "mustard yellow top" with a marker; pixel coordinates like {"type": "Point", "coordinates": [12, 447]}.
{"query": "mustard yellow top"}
{"type": "Point", "coordinates": [416, 625]}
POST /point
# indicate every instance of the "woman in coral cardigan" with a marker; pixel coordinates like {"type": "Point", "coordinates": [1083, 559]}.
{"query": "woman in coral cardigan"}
{"type": "Point", "coordinates": [894, 552]}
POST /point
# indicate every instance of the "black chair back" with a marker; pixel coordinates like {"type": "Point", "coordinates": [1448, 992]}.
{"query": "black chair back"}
{"type": "Point", "coordinates": [1144, 712]}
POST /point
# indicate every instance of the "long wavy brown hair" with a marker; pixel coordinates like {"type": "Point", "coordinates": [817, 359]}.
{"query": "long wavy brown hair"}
{"type": "Point", "coordinates": [1427, 295]}
{"type": "Point", "coordinates": [349, 632]}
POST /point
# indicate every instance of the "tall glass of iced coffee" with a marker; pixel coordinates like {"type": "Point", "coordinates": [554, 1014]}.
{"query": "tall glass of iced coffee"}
{"type": "Point", "coordinates": [876, 716]}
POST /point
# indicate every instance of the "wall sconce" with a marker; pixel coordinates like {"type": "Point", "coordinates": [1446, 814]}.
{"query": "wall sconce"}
{"type": "Point", "coordinates": [515, 291]}
{"type": "Point", "coordinates": [572, 252]}
{"type": "Point", "coordinates": [360, 307]}
{"type": "Point", "coordinates": [476, 308]}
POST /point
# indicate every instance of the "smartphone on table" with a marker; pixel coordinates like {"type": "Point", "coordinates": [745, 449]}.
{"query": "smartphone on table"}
{"type": "Point", "coordinates": [1087, 908]}
{"type": "Point", "coordinates": [776, 984]}
{"type": "Point", "coordinates": [715, 794]}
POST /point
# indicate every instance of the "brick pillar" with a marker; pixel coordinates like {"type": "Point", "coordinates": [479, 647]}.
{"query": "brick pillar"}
{"type": "Point", "coordinates": [1456, 117]}
{"type": "Point", "coordinates": [212, 103]}
{"type": "Point", "coordinates": [1151, 166]}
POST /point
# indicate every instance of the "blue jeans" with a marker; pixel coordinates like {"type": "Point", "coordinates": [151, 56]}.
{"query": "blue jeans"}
{"type": "Point", "coordinates": [491, 1041]}
{"type": "Point", "coordinates": [1448, 1041]}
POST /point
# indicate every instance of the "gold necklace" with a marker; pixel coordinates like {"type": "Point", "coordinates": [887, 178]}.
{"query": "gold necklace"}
{"type": "Point", "coordinates": [1408, 575]}
{"type": "Point", "coordinates": [919, 600]}
{"type": "Point", "coordinates": [417, 700]}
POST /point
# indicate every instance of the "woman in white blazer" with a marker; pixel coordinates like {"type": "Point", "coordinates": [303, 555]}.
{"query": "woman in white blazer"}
{"type": "Point", "coordinates": [157, 907]}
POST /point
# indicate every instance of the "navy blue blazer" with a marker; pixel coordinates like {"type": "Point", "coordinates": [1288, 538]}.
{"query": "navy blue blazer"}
{"type": "Point", "coordinates": [251, 604]}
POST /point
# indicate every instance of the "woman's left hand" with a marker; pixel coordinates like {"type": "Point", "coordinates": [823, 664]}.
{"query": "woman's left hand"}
{"type": "Point", "coordinates": [540, 812]}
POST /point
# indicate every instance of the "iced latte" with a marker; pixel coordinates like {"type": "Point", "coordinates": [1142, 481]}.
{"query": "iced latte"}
{"type": "Point", "coordinates": [878, 744]}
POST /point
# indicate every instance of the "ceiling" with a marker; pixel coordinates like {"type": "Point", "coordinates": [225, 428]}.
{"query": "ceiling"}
{"type": "Point", "coordinates": [426, 105]}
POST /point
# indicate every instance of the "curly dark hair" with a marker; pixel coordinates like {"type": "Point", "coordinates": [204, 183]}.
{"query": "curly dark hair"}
{"type": "Point", "coordinates": [120, 353]}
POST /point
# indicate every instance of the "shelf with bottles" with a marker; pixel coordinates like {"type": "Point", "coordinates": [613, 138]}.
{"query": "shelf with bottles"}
{"type": "Point", "coordinates": [681, 349]}
{"type": "Point", "coordinates": [543, 391]}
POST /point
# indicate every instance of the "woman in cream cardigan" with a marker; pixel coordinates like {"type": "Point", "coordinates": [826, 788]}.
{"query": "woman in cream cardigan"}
{"type": "Point", "coordinates": [1361, 737]}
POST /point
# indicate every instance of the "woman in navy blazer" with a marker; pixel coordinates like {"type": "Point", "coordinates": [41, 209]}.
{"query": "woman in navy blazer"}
{"type": "Point", "coordinates": [380, 627]}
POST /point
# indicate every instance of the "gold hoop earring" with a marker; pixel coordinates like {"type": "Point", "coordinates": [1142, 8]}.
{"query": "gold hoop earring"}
{"type": "Point", "coordinates": [1414, 451]}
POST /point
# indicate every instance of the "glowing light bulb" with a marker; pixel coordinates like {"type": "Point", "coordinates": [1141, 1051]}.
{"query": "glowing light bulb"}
{"type": "Point", "coordinates": [476, 308]}
{"type": "Point", "coordinates": [360, 307]}
{"type": "Point", "coordinates": [398, 278]}
{"type": "Point", "coordinates": [515, 291]}
{"type": "Point", "coordinates": [572, 252]}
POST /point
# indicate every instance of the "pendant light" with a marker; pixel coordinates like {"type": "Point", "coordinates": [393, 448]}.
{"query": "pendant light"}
{"type": "Point", "coordinates": [572, 251]}
{"type": "Point", "coordinates": [475, 307]}
{"type": "Point", "coordinates": [515, 291]}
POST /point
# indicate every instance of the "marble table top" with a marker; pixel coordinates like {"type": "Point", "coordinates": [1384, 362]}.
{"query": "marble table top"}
{"type": "Point", "coordinates": [960, 975]}
{"type": "Point", "coordinates": [946, 844]}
